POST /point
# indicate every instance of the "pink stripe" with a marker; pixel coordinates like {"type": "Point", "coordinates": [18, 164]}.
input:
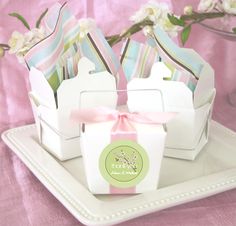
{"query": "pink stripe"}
{"type": "Point", "coordinates": [123, 133]}
{"type": "Point", "coordinates": [193, 80]}
{"type": "Point", "coordinates": [183, 78]}
{"type": "Point", "coordinates": [122, 84]}
{"type": "Point", "coordinates": [103, 51]}
{"type": "Point", "coordinates": [149, 62]}
{"type": "Point", "coordinates": [136, 72]}
{"type": "Point", "coordinates": [141, 66]}
{"type": "Point", "coordinates": [114, 190]}
{"type": "Point", "coordinates": [122, 136]}
{"type": "Point", "coordinates": [70, 25]}
{"type": "Point", "coordinates": [51, 60]}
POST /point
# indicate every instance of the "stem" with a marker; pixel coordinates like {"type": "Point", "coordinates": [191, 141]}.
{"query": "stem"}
{"type": "Point", "coordinates": [4, 46]}
{"type": "Point", "coordinates": [112, 40]}
{"type": "Point", "coordinates": [195, 21]}
{"type": "Point", "coordinates": [203, 16]}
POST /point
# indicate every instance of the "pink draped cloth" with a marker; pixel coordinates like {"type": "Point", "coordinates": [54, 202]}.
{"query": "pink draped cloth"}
{"type": "Point", "coordinates": [24, 200]}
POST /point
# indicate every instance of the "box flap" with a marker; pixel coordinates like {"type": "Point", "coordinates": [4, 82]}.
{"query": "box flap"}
{"type": "Point", "coordinates": [69, 92]}
{"type": "Point", "coordinates": [41, 89]}
{"type": "Point", "coordinates": [197, 73]}
{"type": "Point", "coordinates": [175, 95]}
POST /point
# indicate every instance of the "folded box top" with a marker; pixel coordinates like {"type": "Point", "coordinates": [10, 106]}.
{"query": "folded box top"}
{"type": "Point", "coordinates": [189, 64]}
{"type": "Point", "coordinates": [184, 65]}
{"type": "Point", "coordinates": [65, 40]}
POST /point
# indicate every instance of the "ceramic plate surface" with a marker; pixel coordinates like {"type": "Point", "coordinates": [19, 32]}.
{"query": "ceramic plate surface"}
{"type": "Point", "coordinates": [181, 181]}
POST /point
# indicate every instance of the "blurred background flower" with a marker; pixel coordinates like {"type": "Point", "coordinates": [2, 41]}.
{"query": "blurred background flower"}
{"type": "Point", "coordinates": [157, 12]}
{"type": "Point", "coordinates": [21, 43]}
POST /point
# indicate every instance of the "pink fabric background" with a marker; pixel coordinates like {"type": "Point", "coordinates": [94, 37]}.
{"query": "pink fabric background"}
{"type": "Point", "coordinates": [23, 199]}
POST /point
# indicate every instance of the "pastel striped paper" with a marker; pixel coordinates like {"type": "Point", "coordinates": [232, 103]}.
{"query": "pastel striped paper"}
{"type": "Point", "coordinates": [137, 59]}
{"type": "Point", "coordinates": [46, 53]}
{"type": "Point", "coordinates": [58, 54]}
{"type": "Point", "coordinates": [189, 67]}
{"type": "Point", "coordinates": [93, 46]}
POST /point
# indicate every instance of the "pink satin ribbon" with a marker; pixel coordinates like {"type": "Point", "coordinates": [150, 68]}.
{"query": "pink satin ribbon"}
{"type": "Point", "coordinates": [123, 119]}
{"type": "Point", "coordinates": [122, 128]}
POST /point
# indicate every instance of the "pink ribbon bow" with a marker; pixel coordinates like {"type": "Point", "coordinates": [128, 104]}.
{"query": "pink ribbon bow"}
{"type": "Point", "coordinates": [123, 119]}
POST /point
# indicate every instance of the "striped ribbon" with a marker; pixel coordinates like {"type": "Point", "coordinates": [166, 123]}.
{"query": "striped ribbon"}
{"type": "Point", "coordinates": [58, 54]}
{"type": "Point", "coordinates": [188, 66]}
{"type": "Point", "coordinates": [137, 60]}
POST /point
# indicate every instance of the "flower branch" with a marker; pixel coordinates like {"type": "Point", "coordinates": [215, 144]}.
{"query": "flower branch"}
{"type": "Point", "coordinates": [207, 10]}
{"type": "Point", "coordinates": [149, 16]}
{"type": "Point", "coordinates": [114, 39]}
{"type": "Point", "coordinates": [203, 16]}
{"type": "Point", "coordinates": [19, 43]}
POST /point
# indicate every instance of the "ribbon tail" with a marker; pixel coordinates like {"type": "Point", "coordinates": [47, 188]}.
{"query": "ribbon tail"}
{"type": "Point", "coordinates": [93, 115]}
{"type": "Point", "coordinates": [152, 117]}
{"type": "Point", "coordinates": [123, 130]}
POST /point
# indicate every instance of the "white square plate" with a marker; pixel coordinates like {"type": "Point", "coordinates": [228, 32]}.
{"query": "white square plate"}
{"type": "Point", "coordinates": [181, 181]}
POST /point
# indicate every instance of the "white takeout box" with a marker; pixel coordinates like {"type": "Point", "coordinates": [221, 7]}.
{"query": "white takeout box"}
{"type": "Point", "coordinates": [188, 132]}
{"type": "Point", "coordinates": [56, 132]}
{"type": "Point", "coordinates": [93, 143]}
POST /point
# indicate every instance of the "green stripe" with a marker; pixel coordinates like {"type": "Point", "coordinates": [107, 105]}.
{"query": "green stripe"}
{"type": "Point", "coordinates": [71, 42]}
{"type": "Point", "coordinates": [53, 80]}
{"type": "Point", "coordinates": [146, 53]}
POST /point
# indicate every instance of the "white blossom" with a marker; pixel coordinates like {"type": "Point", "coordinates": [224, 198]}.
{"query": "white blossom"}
{"type": "Point", "coordinates": [188, 10]}
{"type": "Point", "coordinates": [16, 42]}
{"type": "Point", "coordinates": [229, 6]}
{"type": "Point", "coordinates": [152, 11]}
{"type": "Point", "coordinates": [208, 5]}
{"type": "Point", "coordinates": [86, 25]}
{"type": "Point", "coordinates": [168, 27]}
{"type": "Point", "coordinates": [21, 43]}
{"type": "Point", "coordinates": [147, 30]}
{"type": "Point", "coordinates": [34, 36]}
{"type": "Point", "coordinates": [157, 13]}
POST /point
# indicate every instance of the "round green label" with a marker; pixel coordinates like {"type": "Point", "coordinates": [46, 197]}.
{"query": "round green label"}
{"type": "Point", "coordinates": [123, 163]}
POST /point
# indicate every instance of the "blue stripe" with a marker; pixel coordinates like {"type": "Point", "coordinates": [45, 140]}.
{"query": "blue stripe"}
{"type": "Point", "coordinates": [114, 58]}
{"type": "Point", "coordinates": [178, 53]}
{"type": "Point", "coordinates": [89, 53]}
{"type": "Point", "coordinates": [70, 67]}
{"type": "Point", "coordinates": [130, 59]}
{"type": "Point", "coordinates": [71, 34]}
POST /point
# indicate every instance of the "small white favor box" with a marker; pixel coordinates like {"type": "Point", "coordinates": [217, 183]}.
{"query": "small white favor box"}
{"type": "Point", "coordinates": [124, 165]}
{"type": "Point", "coordinates": [188, 132]}
{"type": "Point", "coordinates": [55, 130]}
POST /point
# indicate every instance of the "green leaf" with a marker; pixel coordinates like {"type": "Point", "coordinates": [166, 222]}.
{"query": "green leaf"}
{"type": "Point", "coordinates": [176, 21]}
{"type": "Point", "coordinates": [185, 34]}
{"type": "Point", "coordinates": [40, 18]}
{"type": "Point", "coordinates": [21, 18]}
{"type": "Point", "coordinates": [234, 29]}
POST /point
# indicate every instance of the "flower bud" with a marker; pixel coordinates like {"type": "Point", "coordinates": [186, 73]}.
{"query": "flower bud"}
{"type": "Point", "coordinates": [2, 52]}
{"type": "Point", "coordinates": [147, 30]}
{"type": "Point", "coordinates": [188, 10]}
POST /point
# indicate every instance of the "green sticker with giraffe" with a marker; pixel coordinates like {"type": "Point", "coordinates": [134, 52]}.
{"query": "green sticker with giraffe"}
{"type": "Point", "coordinates": [124, 163]}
